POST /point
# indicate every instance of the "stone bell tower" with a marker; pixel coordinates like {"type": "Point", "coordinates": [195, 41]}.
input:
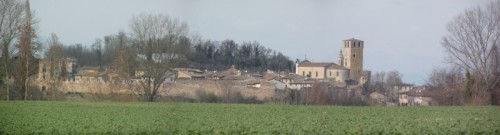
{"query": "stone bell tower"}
{"type": "Point", "coordinates": [353, 57]}
{"type": "Point", "coordinates": [341, 59]}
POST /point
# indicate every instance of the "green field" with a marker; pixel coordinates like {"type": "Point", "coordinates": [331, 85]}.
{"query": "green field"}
{"type": "Point", "coordinates": [43, 117]}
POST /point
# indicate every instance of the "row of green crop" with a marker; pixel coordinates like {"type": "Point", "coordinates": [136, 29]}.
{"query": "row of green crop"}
{"type": "Point", "coordinates": [187, 118]}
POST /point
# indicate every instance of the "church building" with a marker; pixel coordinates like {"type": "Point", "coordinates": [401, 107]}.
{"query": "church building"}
{"type": "Point", "coordinates": [349, 66]}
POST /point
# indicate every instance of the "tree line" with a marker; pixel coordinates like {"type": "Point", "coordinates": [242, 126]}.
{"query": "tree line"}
{"type": "Point", "coordinates": [201, 54]}
{"type": "Point", "coordinates": [155, 45]}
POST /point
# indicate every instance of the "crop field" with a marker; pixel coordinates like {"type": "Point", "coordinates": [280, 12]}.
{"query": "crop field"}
{"type": "Point", "coordinates": [44, 117]}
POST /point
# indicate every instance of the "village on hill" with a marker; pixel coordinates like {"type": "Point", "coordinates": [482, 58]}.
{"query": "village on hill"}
{"type": "Point", "coordinates": [159, 58]}
{"type": "Point", "coordinates": [237, 67]}
{"type": "Point", "coordinates": [343, 82]}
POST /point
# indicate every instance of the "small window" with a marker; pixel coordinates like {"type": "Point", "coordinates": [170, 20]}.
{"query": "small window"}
{"type": "Point", "coordinates": [330, 73]}
{"type": "Point", "coordinates": [316, 74]}
{"type": "Point", "coordinates": [303, 73]}
{"type": "Point", "coordinates": [354, 55]}
{"type": "Point", "coordinates": [310, 73]}
{"type": "Point", "coordinates": [337, 73]}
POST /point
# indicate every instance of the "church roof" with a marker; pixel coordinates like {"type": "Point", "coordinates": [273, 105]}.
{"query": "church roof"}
{"type": "Point", "coordinates": [353, 39]}
{"type": "Point", "coordinates": [335, 66]}
{"type": "Point", "coordinates": [315, 64]}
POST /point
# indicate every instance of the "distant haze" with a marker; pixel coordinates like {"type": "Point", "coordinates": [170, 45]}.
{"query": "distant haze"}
{"type": "Point", "coordinates": [399, 35]}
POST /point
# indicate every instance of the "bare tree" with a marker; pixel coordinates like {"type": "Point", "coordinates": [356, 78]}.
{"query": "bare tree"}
{"type": "Point", "coordinates": [97, 51]}
{"type": "Point", "coordinates": [55, 61]}
{"type": "Point", "coordinates": [125, 63]}
{"type": "Point", "coordinates": [11, 18]}
{"type": "Point", "coordinates": [113, 45]}
{"type": "Point", "coordinates": [447, 86]}
{"type": "Point", "coordinates": [158, 37]}
{"type": "Point", "coordinates": [446, 80]}
{"type": "Point", "coordinates": [377, 82]}
{"type": "Point", "coordinates": [124, 57]}
{"type": "Point", "coordinates": [26, 50]}
{"type": "Point", "coordinates": [394, 78]}
{"type": "Point", "coordinates": [472, 44]}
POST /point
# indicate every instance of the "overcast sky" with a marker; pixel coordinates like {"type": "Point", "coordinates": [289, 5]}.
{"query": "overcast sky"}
{"type": "Point", "coordinates": [401, 35]}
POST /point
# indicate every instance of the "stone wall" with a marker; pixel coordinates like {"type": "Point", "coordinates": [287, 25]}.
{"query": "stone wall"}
{"type": "Point", "coordinates": [180, 88]}
{"type": "Point", "coordinates": [189, 88]}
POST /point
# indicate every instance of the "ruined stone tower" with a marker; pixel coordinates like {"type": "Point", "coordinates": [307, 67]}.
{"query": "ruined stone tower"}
{"type": "Point", "coordinates": [353, 57]}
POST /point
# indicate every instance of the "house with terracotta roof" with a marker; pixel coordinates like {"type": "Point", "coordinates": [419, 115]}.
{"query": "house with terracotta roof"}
{"type": "Point", "coordinates": [188, 73]}
{"type": "Point", "coordinates": [418, 96]}
{"type": "Point", "coordinates": [301, 82]}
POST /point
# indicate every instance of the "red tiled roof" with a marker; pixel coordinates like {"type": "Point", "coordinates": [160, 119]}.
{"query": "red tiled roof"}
{"type": "Point", "coordinates": [335, 66]}
{"type": "Point", "coordinates": [315, 64]}
{"type": "Point", "coordinates": [290, 76]}
{"type": "Point", "coordinates": [269, 76]}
